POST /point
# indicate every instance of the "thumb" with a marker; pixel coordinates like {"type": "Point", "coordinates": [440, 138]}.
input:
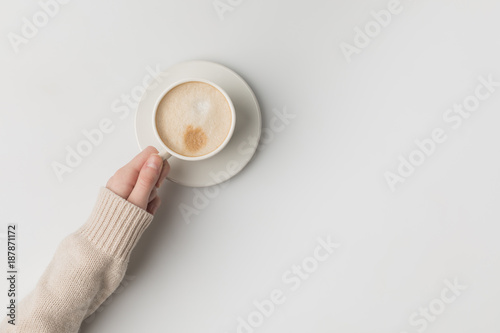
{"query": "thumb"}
{"type": "Point", "coordinates": [148, 176]}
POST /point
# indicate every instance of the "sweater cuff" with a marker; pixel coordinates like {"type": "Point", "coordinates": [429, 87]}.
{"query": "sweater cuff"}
{"type": "Point", "coordinates": [115, 225]}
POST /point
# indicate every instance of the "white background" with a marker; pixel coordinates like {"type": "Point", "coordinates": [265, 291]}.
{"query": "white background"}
{"type": "Point", "coordinates": [323, 175]}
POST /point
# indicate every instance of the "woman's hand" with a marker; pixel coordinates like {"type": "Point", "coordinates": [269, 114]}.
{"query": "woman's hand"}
{"type": "Point", "coordinates": [138, 180]}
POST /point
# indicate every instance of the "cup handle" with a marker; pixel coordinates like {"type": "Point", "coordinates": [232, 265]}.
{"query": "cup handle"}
{"type": "Point", "coordinates": [165, 155]}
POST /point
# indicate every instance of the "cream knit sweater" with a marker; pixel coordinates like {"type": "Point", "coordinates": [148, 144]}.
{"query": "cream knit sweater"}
{"type": "Point", "coordinates": [87, 267]}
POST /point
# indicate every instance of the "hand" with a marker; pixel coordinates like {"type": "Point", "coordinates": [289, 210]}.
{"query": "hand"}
{"type": "Point", "coordinates": [138, 180]}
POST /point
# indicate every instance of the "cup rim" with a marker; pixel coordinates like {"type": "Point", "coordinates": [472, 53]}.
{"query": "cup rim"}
{"type": "Point", "coordinates": [228, 136]}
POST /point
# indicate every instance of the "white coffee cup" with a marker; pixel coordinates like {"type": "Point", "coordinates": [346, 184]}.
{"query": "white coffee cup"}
{"type": "Point", "coordinates": [169, 152]}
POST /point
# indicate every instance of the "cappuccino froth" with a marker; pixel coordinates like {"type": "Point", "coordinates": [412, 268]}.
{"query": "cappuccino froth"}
{"type": "Point", "coordinates": [193, 119]}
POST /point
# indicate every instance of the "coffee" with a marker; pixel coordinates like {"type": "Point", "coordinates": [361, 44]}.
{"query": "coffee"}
{"type": "Point", "coordinates": [193, 119]}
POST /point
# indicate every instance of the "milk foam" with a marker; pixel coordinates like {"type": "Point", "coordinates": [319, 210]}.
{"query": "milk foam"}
{"type": "Point", "coordinates": [193, 119]}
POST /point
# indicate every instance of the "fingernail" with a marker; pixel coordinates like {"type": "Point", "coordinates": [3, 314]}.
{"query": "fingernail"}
{"type": "Point", "coordinates": [153, 162]}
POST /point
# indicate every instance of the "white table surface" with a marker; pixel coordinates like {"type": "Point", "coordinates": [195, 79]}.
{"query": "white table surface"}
{"type": "Point", "coordinates": [320, 175]}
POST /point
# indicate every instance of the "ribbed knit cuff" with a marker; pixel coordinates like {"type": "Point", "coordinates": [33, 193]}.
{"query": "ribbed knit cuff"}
{"type": "Point", "coordinates": [115, 225]}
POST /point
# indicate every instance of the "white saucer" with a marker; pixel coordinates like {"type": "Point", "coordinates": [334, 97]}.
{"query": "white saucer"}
{"type": "Point", "coordinates": [239, 150]}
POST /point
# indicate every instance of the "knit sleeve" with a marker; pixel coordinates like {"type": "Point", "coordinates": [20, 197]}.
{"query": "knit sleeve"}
{"type": "Point", "coordinates": [86, 268]}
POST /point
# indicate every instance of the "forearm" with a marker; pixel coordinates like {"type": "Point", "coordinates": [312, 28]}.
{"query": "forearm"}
{"type": "Point", "coordinates": [87, 267]}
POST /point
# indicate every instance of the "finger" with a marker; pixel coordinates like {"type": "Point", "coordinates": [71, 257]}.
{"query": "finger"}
{"type": "Point", "coordinates": [137, 162]}
{"type": "Point", "coordinates": [154, 205]}
{"type": "Point", "coordinates": [123, 181]}
{"type": "Point", "coordinates": [164, 172]}
{"type": "Point", "coordinates": [148, 176]}
{"type": "Point", "coordinates": [153, 195]}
